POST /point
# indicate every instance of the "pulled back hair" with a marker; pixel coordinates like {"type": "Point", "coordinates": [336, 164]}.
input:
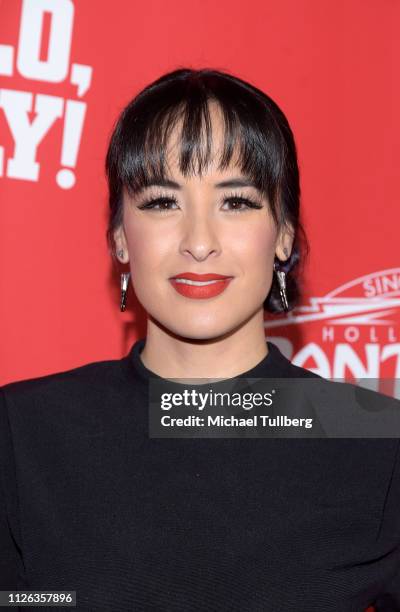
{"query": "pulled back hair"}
{"type": "Point", "coordinates": [254, 126]}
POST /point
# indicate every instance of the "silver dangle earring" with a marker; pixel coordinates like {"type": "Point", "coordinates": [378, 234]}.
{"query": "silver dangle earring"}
{"type": "Point", "coordinates": [282, 286]}
{"type": "Point", "coordinates": [124, 289]}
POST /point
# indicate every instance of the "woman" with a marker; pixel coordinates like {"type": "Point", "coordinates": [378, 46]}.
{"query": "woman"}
{"type": "Point", "coordinates": [203, 180]}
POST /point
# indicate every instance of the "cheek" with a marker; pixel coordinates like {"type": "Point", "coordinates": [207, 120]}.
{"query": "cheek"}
{"type": "Point", "coordinates": [256, 247]}
{"type": "Point", "coordinates": [147, 245]}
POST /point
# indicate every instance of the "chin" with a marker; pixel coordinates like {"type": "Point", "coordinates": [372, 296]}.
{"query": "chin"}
{"type": "Point", "coordinates": [200, 328]}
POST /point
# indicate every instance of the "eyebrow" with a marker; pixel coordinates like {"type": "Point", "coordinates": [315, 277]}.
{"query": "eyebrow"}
{"type": "Point", "coordinates": [233, 182]}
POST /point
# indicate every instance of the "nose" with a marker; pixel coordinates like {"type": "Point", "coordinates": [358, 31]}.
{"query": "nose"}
{"type": "Point", "coordinates": [199, 237]}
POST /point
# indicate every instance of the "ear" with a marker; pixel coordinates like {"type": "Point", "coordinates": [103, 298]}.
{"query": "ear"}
{"type": "Point", "coordinates": [284, 243]}
{"type": "Point", "coordinates": [121, 245]}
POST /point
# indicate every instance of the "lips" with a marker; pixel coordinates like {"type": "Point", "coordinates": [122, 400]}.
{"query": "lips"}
{"type": "Point", "coordinates": [212, 288]}
{"type": "Point", "coordinates": [200, 277]}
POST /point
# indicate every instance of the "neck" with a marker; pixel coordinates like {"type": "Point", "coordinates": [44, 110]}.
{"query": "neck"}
{"type": "Point", "coordinates": [226, 356]}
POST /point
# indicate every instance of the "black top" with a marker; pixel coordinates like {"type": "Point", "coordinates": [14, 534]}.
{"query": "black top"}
{"type": "Point", "coordinates": [90, 503]}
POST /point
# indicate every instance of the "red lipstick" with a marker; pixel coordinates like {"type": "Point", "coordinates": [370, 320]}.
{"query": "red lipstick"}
{"type": "Point", "coordinates": [214, 284]}
{"type": "Point", "coordinates": [200, 277]}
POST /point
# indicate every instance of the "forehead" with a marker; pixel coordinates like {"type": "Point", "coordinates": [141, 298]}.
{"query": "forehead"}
{"type": "Point", "coordinates": [186, 143]}
{"type": "Point", "coordinates": [209, 148]}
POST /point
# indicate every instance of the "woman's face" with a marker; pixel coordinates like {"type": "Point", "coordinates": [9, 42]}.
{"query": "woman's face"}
{"type": "Point", "coordinates": [203, 224]}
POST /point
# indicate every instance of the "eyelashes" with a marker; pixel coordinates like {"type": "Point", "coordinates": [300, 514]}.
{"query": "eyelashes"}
{"type": "Point", "coordinates": [163, 204]}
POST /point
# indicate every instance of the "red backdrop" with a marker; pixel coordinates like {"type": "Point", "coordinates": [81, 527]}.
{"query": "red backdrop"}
{"type": "Point", "coordinates": [68, 67]}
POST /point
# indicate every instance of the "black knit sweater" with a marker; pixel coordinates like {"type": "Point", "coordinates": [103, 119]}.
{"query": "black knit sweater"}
{"type": "Point", "coordinates": [89, 502]}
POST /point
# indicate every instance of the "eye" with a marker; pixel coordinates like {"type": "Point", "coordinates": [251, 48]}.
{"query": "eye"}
{"type": "Point", "coordinates": [245, 203]}
{"type": "Point", "coordinates": [163, 203]}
